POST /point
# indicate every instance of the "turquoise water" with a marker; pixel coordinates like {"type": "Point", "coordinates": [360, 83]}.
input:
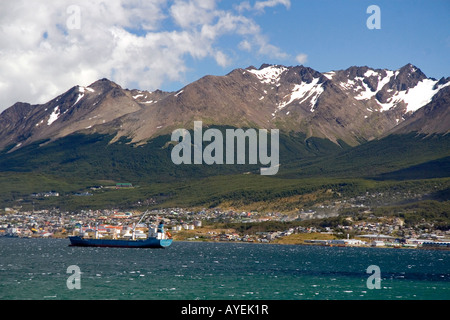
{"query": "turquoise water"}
{"type": "Point", "coordinates": [37, 269]}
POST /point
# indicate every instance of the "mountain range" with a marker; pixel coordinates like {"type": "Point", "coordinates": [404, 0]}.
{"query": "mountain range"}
{"type": "Point", "coordinates": [358, 123]}
{"type": "Point", "coordinates": [355, 105]}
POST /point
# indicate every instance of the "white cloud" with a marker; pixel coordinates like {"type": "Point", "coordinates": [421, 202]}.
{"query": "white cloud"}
{"type": "Point", "coordinates": [193, 13]}
{"type": "Point", "coordinates": [126, 41]}
{"type": "Point", "coordinates": [267, 49]}
{"type": "Point", "coordinates": [243, 6]}
{"type": "Point", "coordinates": [301, 58]}
{"type": "Point", "coordinates": [222, 59]}
{"type": "Point", "coordinates": [261, 5]}
{"type": "Point", "coordinates": [245, 45]}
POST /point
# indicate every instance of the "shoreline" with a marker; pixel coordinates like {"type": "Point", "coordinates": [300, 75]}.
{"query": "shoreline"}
{"type": "Point", "coordinates": [298, 244]}
{"type": "Point", "coordinates": [267, 243]}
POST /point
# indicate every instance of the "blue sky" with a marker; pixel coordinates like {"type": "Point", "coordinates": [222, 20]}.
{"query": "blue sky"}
{"type": "Point", "coordinates": [48, 46]}
{"type": "Point", "coordinates": [333, 34]}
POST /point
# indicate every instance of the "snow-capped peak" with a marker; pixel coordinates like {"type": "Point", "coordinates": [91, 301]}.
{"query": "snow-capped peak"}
{"type": "Point", "coordinates": [329, 75]}
{"type": "Point", "coordinates": [416, 97]}
{"type": "Point", "coordinates": [270, 74]}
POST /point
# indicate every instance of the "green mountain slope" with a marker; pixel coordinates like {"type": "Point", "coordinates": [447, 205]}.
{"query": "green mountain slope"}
{"type": "Point", "coordinates": [402, 154]}
{"type": "Point", "coordinates": [312, 171]}
{"type": "Point", "coordinates": [93, 157]}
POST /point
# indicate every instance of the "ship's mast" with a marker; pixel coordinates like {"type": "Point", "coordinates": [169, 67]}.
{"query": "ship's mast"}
{"type": "Point", "coordinates": [134, 227]}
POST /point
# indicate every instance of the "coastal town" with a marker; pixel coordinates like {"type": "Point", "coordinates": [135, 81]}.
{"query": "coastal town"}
{"type": "Point", "coordinates": [222, 225]}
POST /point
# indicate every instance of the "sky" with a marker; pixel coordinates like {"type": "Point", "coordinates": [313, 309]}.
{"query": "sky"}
{"type": "Point", "coordinates": [49, 46]}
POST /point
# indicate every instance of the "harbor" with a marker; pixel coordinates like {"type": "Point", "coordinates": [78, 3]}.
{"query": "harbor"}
{"type": "Point", "coordinates": [37, 269]}
{"type": "Point", "coordinates": [216, 225]}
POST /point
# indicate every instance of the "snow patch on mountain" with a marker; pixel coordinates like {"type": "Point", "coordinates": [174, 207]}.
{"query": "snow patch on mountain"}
{"type": "Point", "coordinates": [54, 116]}
{"type": "Point", "coordinates": [329, 75]}
{"type": "Point", "coordinates": [370, 73]}
{"type": "Point", "coordinates": [84, 89]}
{"type": "Point", "coordinates": [416, 97]}
{"type": "Point", "coordinates": [82, 92]}
{"type": "Point", "coordinates": [304, 91]}
{"type": "Point", "coordinates": [80, 96]}
{"type": "Point", "coordinates": [269, 75]}
{"type": "Point", "coordinates": [385, 80]}
{"type": "Point", "coordinates": [350, 84]}
{"type": "Point", "coordinates": [368, 93]}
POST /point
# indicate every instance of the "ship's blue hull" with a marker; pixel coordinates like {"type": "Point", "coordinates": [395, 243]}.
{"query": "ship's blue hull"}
{"type": "Point", "coordinates": [147, 243]}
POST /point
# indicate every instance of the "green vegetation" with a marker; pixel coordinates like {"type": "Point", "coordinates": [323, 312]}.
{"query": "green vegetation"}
{"type": "Point", "coordinates": [396, 157]}
{"type": "Point", "coordinates": [423, 213]}
{"type": "Point", "coordinates": [313, 171]}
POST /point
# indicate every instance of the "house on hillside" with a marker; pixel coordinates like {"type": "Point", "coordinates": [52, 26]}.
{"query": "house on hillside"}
{"type": "Point", "coordinates": [123, 185]}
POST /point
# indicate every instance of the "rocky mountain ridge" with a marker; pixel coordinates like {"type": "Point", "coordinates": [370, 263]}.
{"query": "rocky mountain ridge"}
{"type": "Point", "coordinates": [353, 105]}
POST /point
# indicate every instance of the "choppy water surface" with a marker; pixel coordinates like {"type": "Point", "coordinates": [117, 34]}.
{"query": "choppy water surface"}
{"type": "Point", "coordinates": [37, 269]}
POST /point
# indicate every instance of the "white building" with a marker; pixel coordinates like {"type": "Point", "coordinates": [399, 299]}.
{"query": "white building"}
{"type": "Point", "coordinates": [347, 242]}
{"type": "Point", "coordinates": [198, 223]}
{"type": "Point", "coordinates": [377, 243]}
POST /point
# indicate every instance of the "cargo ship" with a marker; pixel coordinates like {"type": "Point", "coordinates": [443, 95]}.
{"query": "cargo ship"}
{"type": "Point", "coordinates": [150, 242]}
{"type": "Point", "coordinates": [157, 238]}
